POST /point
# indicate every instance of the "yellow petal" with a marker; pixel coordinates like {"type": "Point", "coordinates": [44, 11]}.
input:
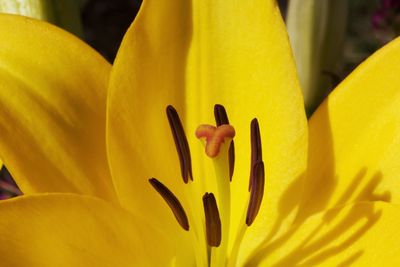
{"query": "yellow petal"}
{"type": "Point", "coordinates": [52, 109]}
{"type": "Point", "coordinates": [65, 229]}
{"type": "Point", "coordinates": [147, 75]}
{"type": "Point", "coordinates": [363, 234]}
{"type": "Point", "coordinates": [194, 54]}
{"type": "Point", "coordinates": [355, 137]}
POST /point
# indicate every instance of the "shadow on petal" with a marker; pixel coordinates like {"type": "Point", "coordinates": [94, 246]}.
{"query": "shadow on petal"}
{"type": "Point", "coordinates": [337, 229]}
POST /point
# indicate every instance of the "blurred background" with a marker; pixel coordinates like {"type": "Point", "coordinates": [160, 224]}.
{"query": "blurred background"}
{"type": "Point", "coordinates": [329, 38]}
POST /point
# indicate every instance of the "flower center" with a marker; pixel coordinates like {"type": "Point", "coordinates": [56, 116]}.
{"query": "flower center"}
{"type": "Point", "coordinates": [211, 234]}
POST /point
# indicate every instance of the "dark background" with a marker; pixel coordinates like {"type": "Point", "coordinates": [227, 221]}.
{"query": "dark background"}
{"type": "Point", "coordinates": [105, 23]}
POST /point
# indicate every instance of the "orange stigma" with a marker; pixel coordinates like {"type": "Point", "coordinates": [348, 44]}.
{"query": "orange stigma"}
{"type": "Point", "coordinates": [215, 137]}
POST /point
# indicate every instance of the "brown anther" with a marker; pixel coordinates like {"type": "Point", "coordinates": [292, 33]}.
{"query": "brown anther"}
{"type": "Point", "coordinates": [181, 143]}
{"type": "Point", "coordinates": [213, 221]}
{"type": "Point", "coordinates": [256, 149]}
{"type": "Point", "coordinates": [215, 137]}
{"type": "Point", "coordinates": [173, 203]}
{"type": "Point", "coordinates": [257, 192]}
{"type": "Point", "coordinates": [221, 117]}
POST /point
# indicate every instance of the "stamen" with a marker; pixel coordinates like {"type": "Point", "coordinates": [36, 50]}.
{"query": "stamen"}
{"type": "Point", "coordinates": [213, 221]}
{"type": "Point", "coordinates": [257, 192]}
{"type": "Point", "coordinates": [256, 150]}
{"type": "Point", "coordinates": [172, 202]}
{"type": "Point", "coordinates": [221, 118]}
{"type": "Point", "coordinates": [214, 136]}
{"type": "Point", "coordinates": [220, 115]}
{"type": "Point", "coordinates": [181, 143]}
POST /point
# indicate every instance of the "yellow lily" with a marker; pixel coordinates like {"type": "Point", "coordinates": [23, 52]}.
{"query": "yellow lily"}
{"type": "Point", "coordinates": [331, 189]}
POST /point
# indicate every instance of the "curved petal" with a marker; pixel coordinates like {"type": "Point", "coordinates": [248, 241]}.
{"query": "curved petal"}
{"type": "Point", "coordinates": [355, 137]}
{"type": "Point", "coordinates": [147, 75]}
{"type": "Point", "coordinates": [194, 54]}
{"type": "Point", "coordinates": [52, 109]}
{"type": "Point", "coordinates": [71, 230]}
{"type": "Point", "coordinates": [363, 234]}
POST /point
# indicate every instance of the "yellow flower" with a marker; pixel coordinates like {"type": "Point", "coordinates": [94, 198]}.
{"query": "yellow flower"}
{"type": "Point", "coordinates": [331, 189]}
